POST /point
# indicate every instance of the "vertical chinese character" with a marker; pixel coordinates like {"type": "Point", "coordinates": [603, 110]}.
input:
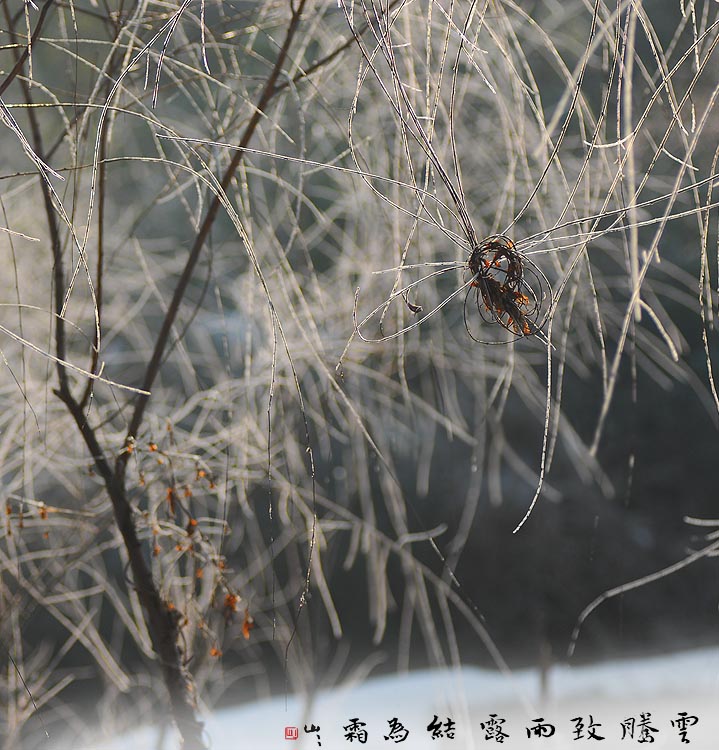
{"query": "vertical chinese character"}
{"type": "Point", "coordinates": [397, 732]}
{"type": "Point", "coordinates": [644, 727]}
{"type": "Point", "coordinates": [591, 729]}
{"type": "Point", "coordinates": [313, 729]}
{"type": "Point", "coordinates": [493, 728]}
{"type": "Point", "coordinates": [355, 731]}
{"type": "Point", "coordinates": [682, 723]}
{"type": "Point", "coordinates": [441, 730]}
{"type": "Point", "coordinates": [539, 729]}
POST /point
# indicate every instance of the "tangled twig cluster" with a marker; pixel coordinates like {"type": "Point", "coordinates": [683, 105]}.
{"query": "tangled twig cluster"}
{"type": "Point", "coordinates": [510, 289]}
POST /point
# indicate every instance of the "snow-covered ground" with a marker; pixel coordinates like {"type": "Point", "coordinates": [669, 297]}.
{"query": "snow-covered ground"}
{"type": "Point", "coordinates": [610, 693]}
